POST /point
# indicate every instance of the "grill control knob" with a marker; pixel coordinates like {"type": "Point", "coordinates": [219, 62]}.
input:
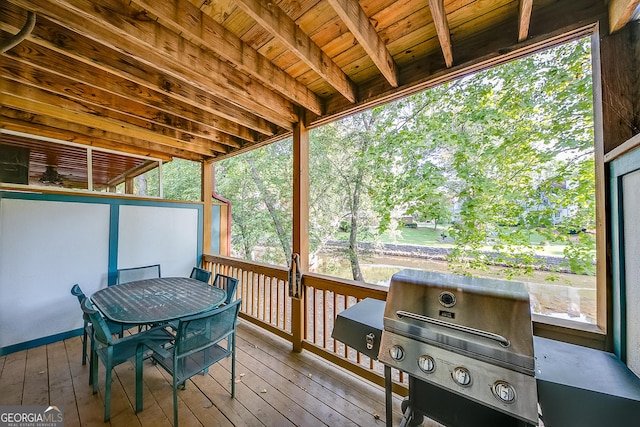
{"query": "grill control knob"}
{"type": "Point", "coordinates": [396, 352]}
{"type": "Point", "coordinates": [426, 363]}
{"type": "Point", "coordinates": [461, 376]}
{"type": "Point", "coordinates": [504, 391]}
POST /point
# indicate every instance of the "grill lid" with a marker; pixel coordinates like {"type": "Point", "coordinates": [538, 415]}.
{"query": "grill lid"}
{"type": "Point", "coordinates": [483, 318]}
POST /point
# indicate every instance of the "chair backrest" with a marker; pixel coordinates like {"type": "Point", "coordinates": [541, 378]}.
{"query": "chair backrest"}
{"type": "Point", "coordinates": [77, 292]}
{"type": "Point", "coordinates": [200, 274]}
{"type": "Point", "coordinates": [100, 328]}
{"type": "Point", "coordinates": [228, 283]}
{"type": "Point", "coordinates": [126, 275]}
{"type": "Point", "coordinates": [201, 331]}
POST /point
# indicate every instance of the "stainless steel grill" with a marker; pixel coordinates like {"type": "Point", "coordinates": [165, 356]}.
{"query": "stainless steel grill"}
{"type": "Point", "coordinates": [469, 336]}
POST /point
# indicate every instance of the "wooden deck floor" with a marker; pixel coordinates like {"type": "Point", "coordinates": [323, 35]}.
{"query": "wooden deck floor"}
{"type": "Point", "coordinates": [274, 387]}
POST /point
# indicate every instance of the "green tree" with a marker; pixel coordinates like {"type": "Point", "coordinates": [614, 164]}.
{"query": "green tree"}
{"type": "Point", "coordinates": [182, 180]}
{"type": "Point", "coordinates": [516, 145]}
{"type": "Point", "coordinates": [258, 185]}
{"type": "Point", "coordinates": [505, 154]}
{"type": "Point", "coordinates": [350, 150]}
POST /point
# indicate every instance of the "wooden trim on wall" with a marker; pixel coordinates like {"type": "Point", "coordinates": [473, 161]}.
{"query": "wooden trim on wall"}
{"type": "Point", "coordinates": [629, 145]}
{"type": "Point", "coordinates": [572, 332]}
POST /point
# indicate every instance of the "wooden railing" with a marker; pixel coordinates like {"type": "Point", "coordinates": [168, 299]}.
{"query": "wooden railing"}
{"type": "Point", "coordinates": [263, 289]}
{"type": "Point", "coordinates": [266, 303]}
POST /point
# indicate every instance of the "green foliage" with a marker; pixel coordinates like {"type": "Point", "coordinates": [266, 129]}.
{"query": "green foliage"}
{"type": "Point", "coordinates": [515, 145]}
{"type": "Point", "coordinates": [182, 180]}
{"type": "Point", "coordinates": [505, 154]}
{"type": "Point", "coordinates": [258, 185]}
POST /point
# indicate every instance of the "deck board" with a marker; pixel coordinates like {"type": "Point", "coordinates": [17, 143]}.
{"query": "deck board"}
{"type": "Point", "coordinates": [274, 387]}
{"type": "Point", "coordinates": [12, 379]}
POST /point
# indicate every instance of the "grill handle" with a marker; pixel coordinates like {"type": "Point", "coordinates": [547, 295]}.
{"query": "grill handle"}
{"type": "Point", "coordinates": [479, 332]}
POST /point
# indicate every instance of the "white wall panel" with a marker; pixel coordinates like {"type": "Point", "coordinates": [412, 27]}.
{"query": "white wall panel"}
{"type": "Point", "coordinates": [46, 247]}
{"type": "Point", "coordinates": [158, 235]}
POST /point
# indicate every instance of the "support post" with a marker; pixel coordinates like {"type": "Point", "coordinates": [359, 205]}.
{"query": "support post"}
{"type": "Point", "coordinates": [207, 191]}
{"type": "Point", "coordinates": [300, 241]}
{"type": "Point", "coordinates": [616, 119]}
{"type": "Point", "coordinates": [128, 185]}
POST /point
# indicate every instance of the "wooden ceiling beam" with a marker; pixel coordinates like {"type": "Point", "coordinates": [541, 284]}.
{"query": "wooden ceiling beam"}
{"type": "Point", "coordinates": [92, 121]}
{"type": "Point", "coordinates": [485, 50]}
{"type": "Point", "coordinates": [137, 81]}
{"type": "Point", "coordinates": [620, 12]}
{"type": "Point", "coordinates": [150, 43]}
{"type": "Point", "coordinates": [185, 102]}
{"type": "Point", "coordinates": [180, 100]}
{"type": "Point", "coordinates": [132, 173]}
{"type": "Point", "coordinates": [442, 28]}
{"type": "Point", "coordinates": [281, 26]}
{"type": "Point", "coordinates": [220, 143]}
{"type": "Point", "coordinates": [358, 23]}
{"type": "Point", "coordinates": [524, 19]}
{"type": "Point", "coordinates": [15, 71]}
{"type": "Point", "coordinates": [49, 127]}
{"type": "Point", "coordinates": [186, 19]}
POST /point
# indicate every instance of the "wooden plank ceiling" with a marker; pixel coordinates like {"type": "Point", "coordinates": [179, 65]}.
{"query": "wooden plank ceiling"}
{"type": "Point", "coordinates": [206, 79]}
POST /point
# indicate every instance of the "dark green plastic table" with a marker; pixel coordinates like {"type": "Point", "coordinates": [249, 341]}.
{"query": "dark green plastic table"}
{"type": "Point", "coordinates": [157, 300]}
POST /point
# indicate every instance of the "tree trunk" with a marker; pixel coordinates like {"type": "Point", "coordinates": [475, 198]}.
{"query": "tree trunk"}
{"type": "Point", "coordinates": [267, 199]}
{"type": "Point", "coordinates": [142, 185]}
{"type": "Point", "coordinates": [353, 234]}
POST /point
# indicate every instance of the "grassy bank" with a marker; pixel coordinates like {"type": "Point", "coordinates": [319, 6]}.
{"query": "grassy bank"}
{"type": "Point", "coordinates": [428, 236]}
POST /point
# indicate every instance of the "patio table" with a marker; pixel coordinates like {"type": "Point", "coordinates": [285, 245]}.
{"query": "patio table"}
{"type": "Point", "coordinates": [157, 300]}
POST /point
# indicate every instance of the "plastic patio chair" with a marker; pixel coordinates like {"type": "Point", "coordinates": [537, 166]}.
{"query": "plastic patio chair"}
{"type": "Point", "coordinates": [113, 352]}
{"type": "Point", "coordinates": [197, 346]}
{"type": "Point", "coordinates": [200, 274]}
{"type": "Point", "coordinates": [126, 275]}
{"type": "Point", "coordinates": [228, 283]}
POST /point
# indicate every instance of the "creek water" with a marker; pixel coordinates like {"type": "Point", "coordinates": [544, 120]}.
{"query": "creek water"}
{"type": "Point", "coordinates": [562, 295]}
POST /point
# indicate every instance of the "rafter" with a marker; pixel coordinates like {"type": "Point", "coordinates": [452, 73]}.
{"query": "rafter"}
{"type": "Point", "coordinates": [136, 81]}
{"type": "Point", "coordinates": [218, 142]}
{"type": "Point", "coordinates": [278, 23]}
{"type": "Point", "coordinates": [187, 20]}
{"type": "Point", "coordinates": [92, 121]}
{"type": "Point", "coordinates": [524, 19]}
{"type": "Point", "coordinates": [150, 43]}
{"type": "Point", "coordinates": [184, 102]}
{"type": "Point", "coordinates": [620, 12]}
{"type": "Point", "coordinates": [482, 51]}
{"type": "Point", "coordinates": [358, 23]}
{"type": "Point", "coordinates": [12, 70]}
{"type": "Point", "coordinates": [50, 127]}
{"type": "Point", "coordinates": [442, 28]}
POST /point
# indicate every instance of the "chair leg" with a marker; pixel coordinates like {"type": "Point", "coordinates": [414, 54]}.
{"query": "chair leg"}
{"type": "Point", "coordinates": [84, 346]}
{"type": "Point", "coordinates": [233, 365]}
{"type": "Point", "coordinates": [139, 367]}
{"type": "Point", "coordinates": [107, 394]}
{"type": "Point", "coordinates": [93, 376]}
{"type": "Point", "coordinates": [91, 361]}
{"type": "Point", "coordinates": [175, 403]}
